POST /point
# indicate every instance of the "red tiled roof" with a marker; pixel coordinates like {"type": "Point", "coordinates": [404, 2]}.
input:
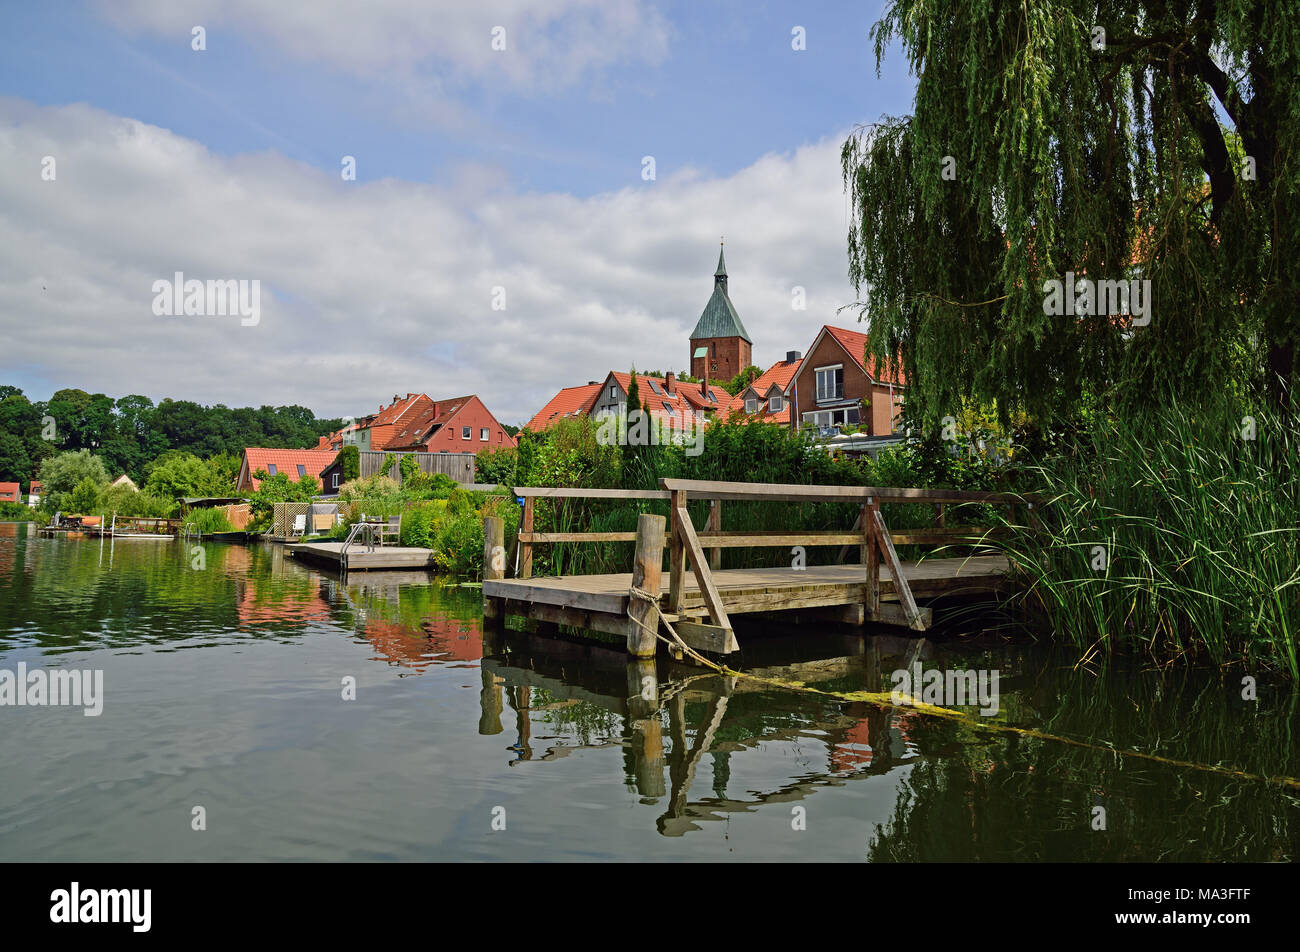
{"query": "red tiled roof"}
{"type": "Point", "coordinates": [571, 401]}
{"type": "Point", "coordinates": [684, 396]}
{"type": "Point", "coordinates": [779, 376]}
{"type": "Point", "coordinates": [855, 342]}
{"type": "Point", "coordinates": [8, 490]}
{"type": "Point", "coordinates": [417, 428]}
{"type": "Point", "coordinates": [286, 461]}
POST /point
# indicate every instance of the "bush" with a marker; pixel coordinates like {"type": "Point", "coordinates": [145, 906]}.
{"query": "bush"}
{"type": "Point", "coordinates": [207, 521]}
{"type": "Point", "coordinates": [15, 511]}
{"type": "Point", "coordinates": [496, 467]}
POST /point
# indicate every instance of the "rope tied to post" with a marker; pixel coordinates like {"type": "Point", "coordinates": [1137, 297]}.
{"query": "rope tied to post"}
{"type": "Point", "coordinates": [888, 700]}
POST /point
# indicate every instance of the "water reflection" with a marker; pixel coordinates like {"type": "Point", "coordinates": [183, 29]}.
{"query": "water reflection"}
{"type": "Point", "coordinates": [697, 757]}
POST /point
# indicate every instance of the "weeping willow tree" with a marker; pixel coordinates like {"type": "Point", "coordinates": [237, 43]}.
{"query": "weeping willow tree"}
{"type": "Point", "coordinates": [1151, 139]}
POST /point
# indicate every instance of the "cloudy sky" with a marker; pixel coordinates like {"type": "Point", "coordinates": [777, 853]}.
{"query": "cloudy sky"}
{"type": "Point", "coordinates": [477, 169]}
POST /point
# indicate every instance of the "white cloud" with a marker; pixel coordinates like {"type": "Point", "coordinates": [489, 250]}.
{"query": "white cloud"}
{"type": "Point", "coordinates": [384, 287]}
{"type": "Point", "coordinates": [449, 42]}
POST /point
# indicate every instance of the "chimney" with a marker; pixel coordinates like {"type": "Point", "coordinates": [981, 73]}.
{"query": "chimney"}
{"type": "Point", "coordinates": [791, 356]}
{"type": "Point", "coordinates": [704, 383]}
{"type": "Point", "coordinates": [396, 399]}
{"type": "Point", "coordinates": [668, 382]}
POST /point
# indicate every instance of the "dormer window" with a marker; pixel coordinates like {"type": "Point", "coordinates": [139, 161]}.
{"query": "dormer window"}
{"type": "Point", "coordinates": [775, 403]}
{"type": "Point", "coordinates": [751, 404]}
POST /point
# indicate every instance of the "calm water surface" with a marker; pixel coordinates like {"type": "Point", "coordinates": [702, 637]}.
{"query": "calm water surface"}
{"type": "Point", "coordinates": [223, 689]}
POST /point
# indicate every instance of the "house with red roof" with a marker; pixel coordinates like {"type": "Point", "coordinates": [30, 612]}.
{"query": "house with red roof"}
{"type": "Point", "coordinates": [458, 425]}
{"type": "Point", "coordinates": [9, 492]}
{"type": "Point", "coordinates": [569, 402]}
{"type": "Point", "coordinates": [34, 493]}
{"type": "Point", "coordinates": [764, 399]}
{"type": "Point", "coordinates": [294, 463]}
{"type": "Point", "coordinates": [376, 431]}
{"type": "Point", "coordinates": [835, 385]}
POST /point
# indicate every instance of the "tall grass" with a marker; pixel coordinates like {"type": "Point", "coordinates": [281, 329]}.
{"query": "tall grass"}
{"type": "Point", "coordinates": [1174, 534]}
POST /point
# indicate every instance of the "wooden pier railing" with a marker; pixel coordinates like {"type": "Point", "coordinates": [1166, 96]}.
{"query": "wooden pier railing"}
{"type": "Point", "coordinates": [703, 616]}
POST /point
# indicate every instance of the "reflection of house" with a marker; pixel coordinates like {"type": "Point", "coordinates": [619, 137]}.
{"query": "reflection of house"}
{"type": "Point", "coordinates": [9, 492]}
{"type": "Point", "coordinates": [293, 463]}
{"type": "Point", "coordinates": [764, 399]}
{"type": "Point", "coordinates": [835, 386]}
{"type": "Point", "coordinates": [438, 639]}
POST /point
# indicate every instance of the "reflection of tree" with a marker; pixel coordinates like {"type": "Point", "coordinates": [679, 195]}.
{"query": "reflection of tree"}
{"type": "Point", "coordinates": [979, 797]}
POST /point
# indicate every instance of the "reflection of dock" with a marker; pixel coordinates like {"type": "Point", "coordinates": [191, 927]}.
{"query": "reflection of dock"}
{"type": "Point", "coordinates": [637, 695]}
{"type": "Point", "coordinates": [362, 558]}
{"type": "Point", "coordinates": [699, 598]}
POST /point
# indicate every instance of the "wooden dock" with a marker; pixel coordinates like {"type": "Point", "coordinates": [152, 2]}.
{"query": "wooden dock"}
{"type": "Point", "coordinates": [362, 558]}
{"type": "Point", "coordinates": [698, 598]}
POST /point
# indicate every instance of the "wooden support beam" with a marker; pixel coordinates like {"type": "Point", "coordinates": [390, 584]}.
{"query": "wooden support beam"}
{"type": "Point", "coordinates": [704, 637]}
{"type": "Point", "coordinates": [872, 560]}
{"type": "Point", "coordinates": [647, 568]}
{"type": "Point", "coordinates": [901, 589]}
{"type": "Point", "coordinates": [715, 525]}
{"type": "Point", "coordinates": [676, 556]}
{"type": "Point", "coordinates": [703, 576]}
{"type": "Point", "coordinates": [526, 548]}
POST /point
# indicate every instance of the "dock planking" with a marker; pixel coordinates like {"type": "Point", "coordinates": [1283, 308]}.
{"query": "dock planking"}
{"type": "Point", "coordinates": [361, 558]}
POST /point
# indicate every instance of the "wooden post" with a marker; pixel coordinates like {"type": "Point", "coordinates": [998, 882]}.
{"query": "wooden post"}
{"type": "Point", "coordinates": [715, 525]}
{"type": "Point", "coordinates": [676, 554]}
{"type": "Point", "coordinates": [939, 518]}
{"type": "Point", "coordinates": [647, 575]}
{"type": "Point", "coordinates": [526, 548]}
{"type": "Point", "coordinates": [872, 559]}
{"type": "Point", "coordinates": [494, 563]}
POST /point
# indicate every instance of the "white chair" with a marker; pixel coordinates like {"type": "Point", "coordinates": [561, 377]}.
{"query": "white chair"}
{"type": "Point", "coordinates": [300, 524]}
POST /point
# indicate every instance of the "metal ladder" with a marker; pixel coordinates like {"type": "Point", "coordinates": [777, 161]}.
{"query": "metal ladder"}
{"type": "Point", "coordinates": [366, 529]}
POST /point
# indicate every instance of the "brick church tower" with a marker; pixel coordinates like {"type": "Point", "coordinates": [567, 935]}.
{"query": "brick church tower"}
{"type": "Point", "coordinates": [720, 346]}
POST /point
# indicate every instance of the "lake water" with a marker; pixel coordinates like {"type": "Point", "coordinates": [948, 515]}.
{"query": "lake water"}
{"type": "Point", "coordinates": [223, 689]}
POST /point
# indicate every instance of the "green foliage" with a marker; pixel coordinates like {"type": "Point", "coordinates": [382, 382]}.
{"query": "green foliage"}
{"type": "Point", "coordinates": [350, 456]}
{"type": "Point", "coordinates": [1110, 163]}
{"type": "Point", "coordinates": [129, 433]}
{"type": "Point", "coordinates": [126, 501]}
{"type": "Point", "coordinates": [742, 380]}
{"type": "Point", "coordinates": [279, 488]}
{"type": "Point", "coordinates": [15, 511]}
{"type": "Point", "coordinates": [408, 467]}
{"type": "Point", "coordinates": [496, 467]}
{"type": "Point", "coordinates": [1175, 533]}
{"type": "Point", "coordinates": [176, 474]}
{"type": "Point", "coordinates": [72, 480]}
{"type": "Point", "coordinates": [207, 521]}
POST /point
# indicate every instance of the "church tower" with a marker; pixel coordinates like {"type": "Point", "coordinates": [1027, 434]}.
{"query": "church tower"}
{"type": "Point", "coordinates": [720, 346]}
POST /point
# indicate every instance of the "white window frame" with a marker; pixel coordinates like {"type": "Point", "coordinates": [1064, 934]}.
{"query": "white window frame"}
{"type": "Point", "coordinates": [484, 434]}
{"type": "Point", "coordinates": [822, 396]}
{"type": "Point", "coordinates": [775, 403]}
{"type": "Point", "coordinates": [466, 432]}
{"type": "Point", "coordinates": [751, 404]}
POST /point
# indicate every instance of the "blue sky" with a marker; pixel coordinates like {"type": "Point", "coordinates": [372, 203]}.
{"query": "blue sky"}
{"type": "Point", "coordinates": [557, 123]}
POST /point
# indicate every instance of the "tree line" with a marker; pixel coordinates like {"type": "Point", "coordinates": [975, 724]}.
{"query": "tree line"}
{"type": "Point", "coordinates": [131, 432]}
